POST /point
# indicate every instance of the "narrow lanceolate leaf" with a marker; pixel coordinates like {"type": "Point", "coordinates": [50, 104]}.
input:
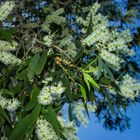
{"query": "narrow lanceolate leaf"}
{"type": "Point", "coordinates": [91, 70]}
{"type": "Point", "coordinates": [53, 119]}
{"type": "Point", "coordinates": [90, 26]}
{"type": "Point", "coordinates": [33, 66]}
{"type": "Point", "coordinates": [70, 112]}
{"type": "Point", "coordinates": [100, 63]}
{"type": "Point", "coordinates": [33, 100]}
{"type": "Point", "coordinates": [92, 62]}
{"type": "Point", "coordinates": [42, 62]}
{"type": "Point", "coordinates": [3, 113]}
{"type": "Point", "coordinates": [86, 81]}
{"type": "Point", "coordinates": [24, 126]}
{"type": "Point", "coordinates": [90, 79]}
{"type": "Point", "coordinates": [83, 91]}
{"type": "Point", "coordinates": [108, 71]}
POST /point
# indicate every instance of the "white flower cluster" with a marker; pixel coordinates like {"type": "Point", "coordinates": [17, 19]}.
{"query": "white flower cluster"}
{"type": "Point", "coordinates": [99, 34]}
{"type": "Point", "coordinates": [5, 9]}
{"type": "Point", "coordinates": [69, 129]}
{"type": "Point", "coordinates": [111, 58]}
{"type": "Point", "coordinates": [118, 42]}
{"type": "Point", "coordinates": [9, 104]}
{"type": "Point", "coordinates": [5, 56]}
{"type": "Point", "coordinates": [44, 130]}
{"type": "Point", "coordinates": [50, 93]}
{"type": "Point", "coordinates": [80, 112]}
{"type": "Point", "coordinates": [129, 87]}
{"type": "Point", "coordinates": [48, 40]}
{"type": "Point", "coordinates": [110, 44]}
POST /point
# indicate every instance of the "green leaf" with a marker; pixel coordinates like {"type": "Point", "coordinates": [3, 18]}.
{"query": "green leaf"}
{"type": "Point", "coordinates": [83, 91]}
{"type": "Point", "coordinates": [24, 125]}
{"type": "Point", "coordinates": [90, 26]}
{"type": "Point", "coordinates": [91, 71]}
{"type": "Point", "coordinates": [42, 62]}
{"type": "Point", "coordinates": [70, 112]}
{"type": "Point", "coordinates": [2, 112]}
{"type": "Point", "coordinates": [66, 83]}
{"type": "Point", "coordinates": [86, 108]}
{"type": "Point", "coordinates": [33, 100]}
{"type": "Point", "coordinates": [111, 76]}
{"type": "Point", "coordinates": [90, 79]}
{"type": "Point", "coordinates": [80, 52]}
{"type": "Point", "coordinates": [7, 92]}
{"type": "Point", "coordinates": [92, 62]}
{"type": "Point", "coordinates": [86, 81]}
{"type": "Point", "coordinates": [31, 71]}
{"type": "Point", "coordinates": [22, 75]}
{"type": "Point", "coordinates": [6, 34]}
{"type": "Point", "coordinates": [53, 119]}
{"type": "Point", "coordinates": [2, 120]}
{"type": "Point", "coordinates": [100, 67]}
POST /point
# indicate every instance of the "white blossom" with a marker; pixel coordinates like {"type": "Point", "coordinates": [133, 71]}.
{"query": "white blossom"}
{"type": "Point", "coordinates": [9, 58]}
{"type": "Point", "coordinates": [129, 87]}
{"type": "Point", "coordinates": [5, 9]}
{"type": "Point", "coordinates": [44, 130]}
{"type": "Point", "coordinates": [50, 93]}
{"type": "Point", "coordinates": [79, 110]}
{"type": "Point", "coordinates": [69, 129]}
{"type": "Point", "coordinates": [9, 104]}
{"type": "Point", "coordinates": [111, 58]}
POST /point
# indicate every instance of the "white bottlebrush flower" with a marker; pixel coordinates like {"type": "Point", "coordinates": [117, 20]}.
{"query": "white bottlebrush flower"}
{"type": "Point", "coordinates": [3, 101]}
{"type": "Point", "coordinates": [81, 117]}
{"type": "Point", "coordinates": [79, 113]}
{"type": "Point", "coordinates": [79, 110]}
{"type": "Point", "coordinates": [9, 58]}
{"type": "Point", "coordinates": [129, 87]}
{"type": "Point", "coordinates": [69, 129]}
{"type": "Point", "coordinates": [44, 96]}
{"type": "Point", "coordinates": [44, 130]}
{"type": "Point", "coordinates": [95, 8]}
{"type": "Point", "coordinates": [50, 93]}
{"type": "Point", "coordinates": [9, 104]}
{"type": "Point", "coordinates": [48, 40]}
{"type": "Point", "coordinates": [6, 46]}
{"type": "Point", "coordinates": [47, 80]}
{"type": "Point", "coordinates": [12, 105]}
{"type": "Point", "coordinates": [5, 9]}
{"type": "Point", "coordinates": [111, 58]}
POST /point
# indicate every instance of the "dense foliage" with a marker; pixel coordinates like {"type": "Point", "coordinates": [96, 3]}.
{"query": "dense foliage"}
{"type": "Point", "coordinates": [69, 55]}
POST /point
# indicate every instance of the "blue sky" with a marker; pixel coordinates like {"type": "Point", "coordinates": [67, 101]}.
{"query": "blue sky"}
{"type": "Point", "coordinates": [95, 131]}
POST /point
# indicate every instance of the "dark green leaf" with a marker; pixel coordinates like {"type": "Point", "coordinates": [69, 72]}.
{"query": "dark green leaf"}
{"type": "Point", "coordinates": [83, 91]}
{"type": "Point", "coordinates": [90, 79]}
{"type": "Point", "coordinates": [2, 112]}
{"type": "Point", "coordinates": [90, 26]}
{"type": "Point", "coordinates": [33, 101]}
{"type": "Point", "coordinates": [42, 62]}
{"type": "Point", "coordinates": [86, 81]}
{"type": "Point", "coordinates": [70, 112]}
{"type": "Point", "coordinates": [24, 125]}
{"type": "Point", "coordinates": [31, 71]}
